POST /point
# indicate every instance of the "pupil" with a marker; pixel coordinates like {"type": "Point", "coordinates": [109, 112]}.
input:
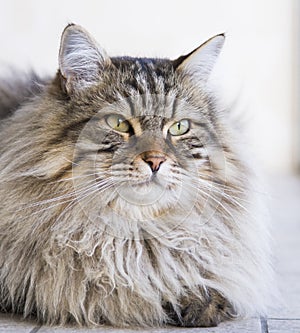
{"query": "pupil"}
{"type": "Point", "coordinates": [178, 126]}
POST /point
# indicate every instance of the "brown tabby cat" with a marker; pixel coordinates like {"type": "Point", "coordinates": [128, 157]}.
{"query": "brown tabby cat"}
{"type": "Point", "coordinates": [125, 198]}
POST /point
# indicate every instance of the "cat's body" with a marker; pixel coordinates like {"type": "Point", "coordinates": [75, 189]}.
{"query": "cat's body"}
{"type": "Point", "coordinates": [124, 199]}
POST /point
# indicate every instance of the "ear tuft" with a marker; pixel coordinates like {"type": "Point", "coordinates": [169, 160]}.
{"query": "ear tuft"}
{"type": "Point", "coordinates": [199, 63]}
{"type": "Point", "coordinates": [80, 58]}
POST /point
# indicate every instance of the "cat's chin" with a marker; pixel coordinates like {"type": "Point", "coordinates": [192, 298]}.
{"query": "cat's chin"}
{"type": "Point", "coordinates": [143, 193]}
{"type": "Point", "coordinates": [148, 183]}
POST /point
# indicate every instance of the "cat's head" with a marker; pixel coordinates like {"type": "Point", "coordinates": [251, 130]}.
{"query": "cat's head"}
{"type": "Point", "coordinates": [145, 131]}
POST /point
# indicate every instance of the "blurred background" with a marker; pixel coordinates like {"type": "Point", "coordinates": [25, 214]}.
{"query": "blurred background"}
{"type": "Point", "coordinates": [258, 68]}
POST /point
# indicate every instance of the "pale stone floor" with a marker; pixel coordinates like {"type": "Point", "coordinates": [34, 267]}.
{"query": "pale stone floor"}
{"type": "Point", "coordinates": [285, 212]}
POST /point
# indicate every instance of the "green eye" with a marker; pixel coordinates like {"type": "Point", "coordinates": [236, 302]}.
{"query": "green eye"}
{"type": "Point", "coordinates": [180, 127]}
{"type": "Point", "coordinates": [118, 123]}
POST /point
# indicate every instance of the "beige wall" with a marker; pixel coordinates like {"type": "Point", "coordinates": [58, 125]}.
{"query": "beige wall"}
{"type": "Point", "coordinates": [257, 64]}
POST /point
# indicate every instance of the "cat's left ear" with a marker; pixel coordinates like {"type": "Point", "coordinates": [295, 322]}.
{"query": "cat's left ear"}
{"type": "Point", "coordinates": [81, 59]}
{"type": "Point", "coordinates": [199, 63]}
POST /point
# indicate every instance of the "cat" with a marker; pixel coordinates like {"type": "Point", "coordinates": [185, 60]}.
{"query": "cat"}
{"type": "Point", "coordinates": [125, 196]}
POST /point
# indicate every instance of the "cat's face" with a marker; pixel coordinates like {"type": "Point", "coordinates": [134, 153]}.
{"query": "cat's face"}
{"type": "Point", "coordinates": [147, 130]}
{"type": "Point", "coordinates": [148, 151]}
{"type": "Point", "coordinates": [149, 148]}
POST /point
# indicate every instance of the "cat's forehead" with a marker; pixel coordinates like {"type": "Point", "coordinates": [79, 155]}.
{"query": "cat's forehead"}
{"type": "Point", "coordinates": [153, 108]}
{"type": "Point", "coordinates": [147, 88]}
{"type": "Point", "coordinates": [143, 76]}
{"type": "Point", "coordinates": [149, 68]}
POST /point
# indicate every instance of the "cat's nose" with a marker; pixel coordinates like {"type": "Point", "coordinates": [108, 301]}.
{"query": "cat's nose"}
{"type": "Point", "coordinates": [154, 161]}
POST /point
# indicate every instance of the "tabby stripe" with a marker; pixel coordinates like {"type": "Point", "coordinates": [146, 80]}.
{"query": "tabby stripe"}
{"type": "Point", "coordinates": [64, 132]}
{"type": "Point", "coordinates": [207, 128]}
{"type": "Point", "coordinates": [61, 172]}
{"type": "Point", "coordinates": [131, 106]}
{"type": "Point", "coordinates": [77, 124]}
{"type": "Point", "coordinates": [84, 154]}
{"type": "Point", "coordinates": [197, 156]}
{"type": "Point", "coordinates": [174, 107]}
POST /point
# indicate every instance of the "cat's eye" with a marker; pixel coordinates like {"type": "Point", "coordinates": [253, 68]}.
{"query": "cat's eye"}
{"type": "Point", "coordinates": [118, 123]}
{"type": "Point", "coordinates": [180, 127]}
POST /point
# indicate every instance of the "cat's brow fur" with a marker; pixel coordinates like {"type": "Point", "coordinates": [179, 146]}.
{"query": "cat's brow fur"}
{"type": "Point", "coordinates": [92, 258]}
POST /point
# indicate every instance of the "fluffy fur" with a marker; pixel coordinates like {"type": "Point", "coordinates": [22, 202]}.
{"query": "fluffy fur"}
{"type": "Point", "coordinates": [89, 234]}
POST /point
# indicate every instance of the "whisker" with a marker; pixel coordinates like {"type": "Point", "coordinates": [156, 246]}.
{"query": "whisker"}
{"type": "Point", "coordinates": [71, 205]}
{"type": "Point", "coordinates": [221, 189]}
{"type": "Point", "coordinates": [81, 176]}
{"type": "Point", "coordinates": [68, 195]}
{"type": "Point", "coordinates": [66, 159]}
{"type": "Point", "coordinates": [210, 194]}
{"type": "Point", "coordinates": [76, 197]}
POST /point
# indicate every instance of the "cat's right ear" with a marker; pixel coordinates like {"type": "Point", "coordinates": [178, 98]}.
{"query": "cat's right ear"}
{"type": "Point", "coordinates": [81, 59]}
{"type": "Point", "coordinates": [199, 63]}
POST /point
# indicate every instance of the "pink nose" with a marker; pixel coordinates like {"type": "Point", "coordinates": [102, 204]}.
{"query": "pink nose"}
{"type": "Point", "coordinates": [154, 161]}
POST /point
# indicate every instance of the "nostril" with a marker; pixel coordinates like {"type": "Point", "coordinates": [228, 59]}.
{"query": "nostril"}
{"type": "Point", "coordinates": [150, 163]}
{"type": "Point", "coordinates": [154, 162]}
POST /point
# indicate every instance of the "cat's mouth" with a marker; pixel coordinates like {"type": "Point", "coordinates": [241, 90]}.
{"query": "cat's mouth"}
{"type": "Point", "coordinates": [152, 180]}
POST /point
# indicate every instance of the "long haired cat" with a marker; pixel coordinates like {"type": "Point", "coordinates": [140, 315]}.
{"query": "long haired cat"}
{"type": "Point", "coordinates": [125, 198]}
